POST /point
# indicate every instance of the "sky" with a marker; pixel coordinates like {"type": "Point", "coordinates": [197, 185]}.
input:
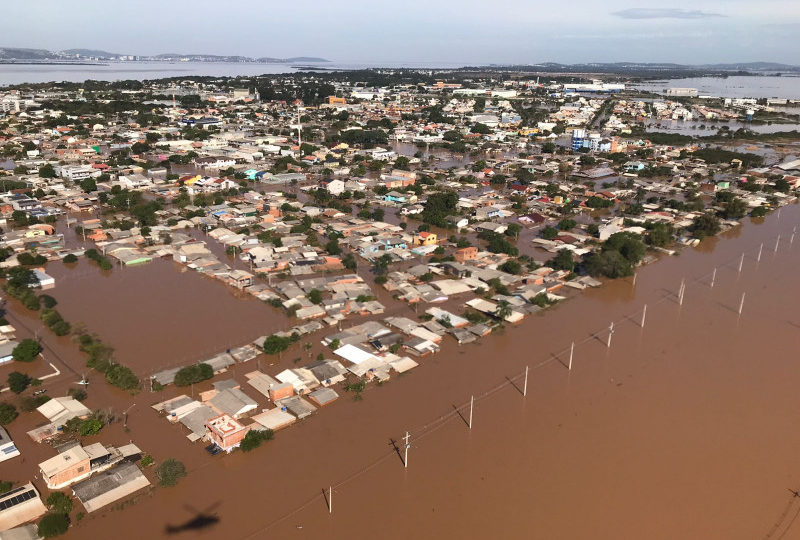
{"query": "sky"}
{"type": "Point", "coordinates": [464, 32]}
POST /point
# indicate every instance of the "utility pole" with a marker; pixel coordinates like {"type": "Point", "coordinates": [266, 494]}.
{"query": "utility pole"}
{"type": "Point", "coordinates": [777, 241]}
{"type": "Point", "coordinates": [680, 292]}
{"type": "Point", "coordinates": [713, 277]}
{"type": "Point", "coordinates": [634, 279]}
{"type": "Point", "coordinates": [405, 460]}
{"type": "Point", "coordinates": [644, 314]}
{"type": "Point", "coordinates": [741, 262]}
{"type": "Point", "coordinates": [125, 414]}
{"type": "Point", "coordinates": [760, 248]}
{"type": "Point", "coordinates": [610, 333]}
{"type": "Point", "coordinates": [299, 129]}
{"type": "Point", "coordinates": [471, 405]}
{"type": "Point", "coordinates": [741, 304]}
{"type": "Point", "coordinates": [330, 499]}
{"type": "Point", "coordinates": [571, 351]}
{"type": "Point", "coordinates": [525, 385]}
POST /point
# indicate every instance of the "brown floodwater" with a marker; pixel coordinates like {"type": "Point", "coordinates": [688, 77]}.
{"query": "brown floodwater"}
{"type": "Point", "coordinates": [685, 428]}
{"type": "Point", "coordinates": [160, 314]}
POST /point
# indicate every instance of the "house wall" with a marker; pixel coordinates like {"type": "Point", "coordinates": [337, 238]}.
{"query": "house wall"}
{"type": "Point", "coordinates": [78, 469]}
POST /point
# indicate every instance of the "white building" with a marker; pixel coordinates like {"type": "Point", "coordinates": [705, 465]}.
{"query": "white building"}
{"type": "Point", "coordinates": [76, 173]}
{"type": "Point", "coordinates": [335, 187]}
{"type": "Point", "coordinates": [8, 449]}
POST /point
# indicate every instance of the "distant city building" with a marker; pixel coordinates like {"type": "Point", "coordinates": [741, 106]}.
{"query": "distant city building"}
{"type": "Point", "coordinates": [682, 92]}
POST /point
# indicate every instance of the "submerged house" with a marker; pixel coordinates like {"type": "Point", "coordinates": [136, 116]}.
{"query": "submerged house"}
{"type": "Point", "coordinates": [110, 486]}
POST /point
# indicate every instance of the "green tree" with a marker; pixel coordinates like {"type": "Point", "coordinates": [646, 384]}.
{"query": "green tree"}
{"type": "Point", "coordinates": [26, 351]}
{"type": "Point", "coordinates": [660, 235]}
{"type": "Point", "coordinates": [705, 225]}
{"type": "Point", "coordinates": [511, 267]}
{"type": "Point", "coordinates": [254, 438]}
{"type": "Point", "coordinates": [549, 233]}
{"type": "Point", "coordinates": [193, 374]}
{"type": "Point", "coordinates": [315, 296]}
{"type": "Point", "coordinates": [735, 209]}
{"type": "Point", "coordinates": [276, 344]}
{"type": "Point", "coordinates": [19, 217]}
{"type": "Point", "coordinates": [608, 263]}
{"type": "Point", "coordinates": [629, 245]}
{"type": "Point", "coordinates": [88, 185]}
{"type": "Point", "coordinates": [438, 206]}
{"type": "Point", "coordinates": [47, 171]}
{"type": "Point", "coordinates": [59, 503]}
{"type": "Point", "coordinates": [18, 382]}
{"type": "Point", "coordinates": [90, 426]}
{"type": "Point", "coordinates": [503, 310]}
{"type": "Point", "coordinates": [53, 524]}
{"type": "Point", "coordinates": [381, 264]}
{"type": "Point", "coordinates": [567, 224]}
{"type": "Point", "coordinates": [121, 377]}
{"type": "Point", "coordinates": [513, 229]}
{"type": "Point", "coordinates": [332, 246]}
{"type": "Point", "coordinates": [169, 472]}
{"type": "Point", "coordinates": [562, 261]}
{"type": "Point", "coordinates": [7, 413]}
{"type": "Point", "coordinates": [402, 163]}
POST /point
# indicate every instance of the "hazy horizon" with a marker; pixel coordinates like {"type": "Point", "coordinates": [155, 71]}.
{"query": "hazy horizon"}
{"type": "Point", "coordinates": [448, 31]}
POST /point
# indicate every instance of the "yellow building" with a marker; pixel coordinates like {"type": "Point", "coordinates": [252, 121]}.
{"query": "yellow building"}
{"type": "Point", "coordinates": [426, 239]}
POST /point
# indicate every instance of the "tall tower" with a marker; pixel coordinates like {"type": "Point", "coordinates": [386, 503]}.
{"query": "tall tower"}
{"type": "Point", "coordinates": [299, 127]}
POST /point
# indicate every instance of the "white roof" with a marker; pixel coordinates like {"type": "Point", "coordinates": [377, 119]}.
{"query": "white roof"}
{"type": "Point", "coordinates": [455, 320]}
{"type": "Point", "coordinates": [373, 363]}
{"type": "Point", "coordinates": [424, 333]}
{"type": "Point", "coordinates": [451, 286]}
{"type": "Point", "coordinates": [482, 305]}
{"type": "Point", "coordinates": [274, 419]}
{"type": "Point", "coordinates": [353, 354]}
{"type": "Point", "coordinates": [60, 409]}
{"type": "Point", "coordinates": [402, 365]}
{"type": "Point", "coordinates": [289, 376]}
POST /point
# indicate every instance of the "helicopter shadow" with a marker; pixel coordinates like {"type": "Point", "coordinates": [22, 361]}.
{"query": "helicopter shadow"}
{"type": "Point", "coordinates": [201, 520]}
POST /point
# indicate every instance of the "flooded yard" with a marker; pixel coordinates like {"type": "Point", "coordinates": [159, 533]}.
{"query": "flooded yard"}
{"type": "Point", "coordinates": [160, 314]}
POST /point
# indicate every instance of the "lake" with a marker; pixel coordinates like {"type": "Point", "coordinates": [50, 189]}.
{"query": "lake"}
{"type": "Point", "coordinates": [787, 87]}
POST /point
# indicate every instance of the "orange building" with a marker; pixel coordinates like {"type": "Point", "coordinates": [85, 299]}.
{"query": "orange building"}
{"type": "Point", "coordinates": [466, 254]}
{"type": "Point", "coordinates": [333, 100]}
{"type": "Point", "coordinates": [226, 432]}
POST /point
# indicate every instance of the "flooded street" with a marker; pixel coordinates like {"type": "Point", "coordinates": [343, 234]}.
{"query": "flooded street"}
{"type": "Point", "coordinates": [682, 429]}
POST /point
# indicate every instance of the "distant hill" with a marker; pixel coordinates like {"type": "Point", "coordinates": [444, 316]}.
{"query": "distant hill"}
{"type": "Point", "coordinates": [42, 55]}
{"type": "Point", "coordinates": [648, 70]}
{"type": "Point", "coordinates": [13, 53]}
{"type": "Point", "coordinates": [91, 52]}
{"type": "Point", "coordinates": [753, 66]}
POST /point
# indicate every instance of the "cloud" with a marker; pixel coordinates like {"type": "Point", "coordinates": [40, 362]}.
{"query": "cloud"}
{"type": "Point", "coordinates": [664, 13]}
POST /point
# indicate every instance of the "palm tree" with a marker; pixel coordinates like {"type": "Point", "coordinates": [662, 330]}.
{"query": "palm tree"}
{"type": "Point", "coordinates": [503, 310]}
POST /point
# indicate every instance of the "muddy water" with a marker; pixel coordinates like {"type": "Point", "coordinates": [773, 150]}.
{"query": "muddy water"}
{"type": "Point", "coordinates": [683, 429]}
{"type": "Point", "coordinates": [160, 314]}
